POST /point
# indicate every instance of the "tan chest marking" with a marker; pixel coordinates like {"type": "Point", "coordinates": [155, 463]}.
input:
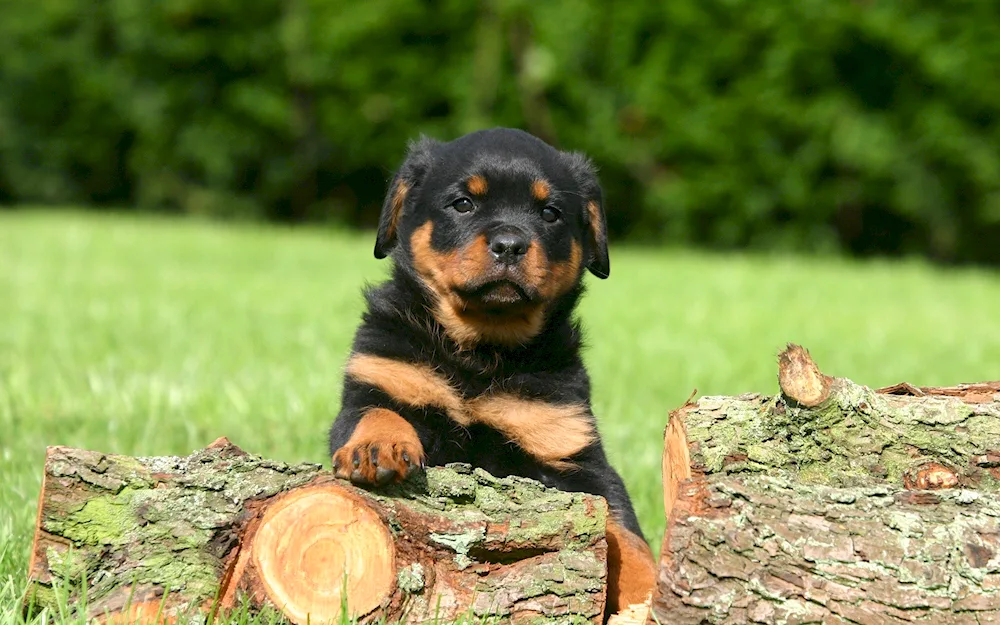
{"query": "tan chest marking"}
{"type": "Point", "coordinates": [548, 432]}
{"type": "Point", "coordinates": [551, 433]}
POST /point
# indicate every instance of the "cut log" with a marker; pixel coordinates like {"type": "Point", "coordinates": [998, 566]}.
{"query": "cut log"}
{"type": "Point", "coordinates": [831, 431]}
{"type": "Point", "coordinates": [160, 539]}
{"type": "Point", "coordinates": [833, 503]}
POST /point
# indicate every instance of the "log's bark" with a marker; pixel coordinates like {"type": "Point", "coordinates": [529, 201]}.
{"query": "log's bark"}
{"type": "Point", "coordinates": [833, 503]}
{"type": "Point", "coordinates": [165, 539]}
{"type": "Point", "coordinates": [851, 435]}
{"type": "Point", "coordinates": [762, 549]}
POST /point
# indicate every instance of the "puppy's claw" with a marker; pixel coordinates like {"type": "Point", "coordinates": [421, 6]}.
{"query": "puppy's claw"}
{"type": "Point", "coordinates": [383, 476]}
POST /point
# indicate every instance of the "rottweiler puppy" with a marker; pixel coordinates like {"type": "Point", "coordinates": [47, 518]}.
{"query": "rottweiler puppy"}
{"type": "Point", "coordinates": [470, 352]}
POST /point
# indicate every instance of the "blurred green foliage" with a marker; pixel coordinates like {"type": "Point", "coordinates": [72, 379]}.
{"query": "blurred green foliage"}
{"type": "Point", "coordinates": [868, 125]}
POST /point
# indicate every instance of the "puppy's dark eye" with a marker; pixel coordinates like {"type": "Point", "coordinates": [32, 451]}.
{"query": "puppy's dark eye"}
{"type": "Point", "coordinates": [463, 205]}
{"type": "Point", "coordinates": [551, 214]}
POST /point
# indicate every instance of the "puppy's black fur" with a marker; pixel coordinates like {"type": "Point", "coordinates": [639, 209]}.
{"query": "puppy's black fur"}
{"type": "Point", "coordinates": [490, 235]}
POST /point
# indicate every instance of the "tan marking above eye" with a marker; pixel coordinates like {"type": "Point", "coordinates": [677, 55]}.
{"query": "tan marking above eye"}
{"type": "Point", "coordinates": [540, 190]}
{"type": "Point", "coordinates": [631, 567]}
{"type": "Point", "coordinates": [549, 432]}
{"type": "Point", "coordinates": [477, 185]}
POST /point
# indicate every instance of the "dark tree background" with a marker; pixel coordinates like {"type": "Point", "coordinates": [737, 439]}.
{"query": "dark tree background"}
{"type": "Point", "coordinates": [869, 126]}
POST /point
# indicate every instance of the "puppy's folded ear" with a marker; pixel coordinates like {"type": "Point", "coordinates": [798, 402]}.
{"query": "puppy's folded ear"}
{"type": "Point", "coordinates": [593, 215]}
{"type": "Point", "coordinates": [407, 180]}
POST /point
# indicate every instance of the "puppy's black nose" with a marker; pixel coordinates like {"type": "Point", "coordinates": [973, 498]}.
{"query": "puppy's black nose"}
{"type": "Point", "coordinates": [508, 246]}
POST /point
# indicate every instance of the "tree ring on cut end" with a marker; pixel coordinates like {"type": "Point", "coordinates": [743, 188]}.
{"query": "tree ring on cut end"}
{"type": "Point", "coordinates": [314, 543]}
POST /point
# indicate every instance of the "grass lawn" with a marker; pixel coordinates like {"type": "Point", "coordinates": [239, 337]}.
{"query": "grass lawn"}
{"type": "Point", "coordinates": [152, 337]}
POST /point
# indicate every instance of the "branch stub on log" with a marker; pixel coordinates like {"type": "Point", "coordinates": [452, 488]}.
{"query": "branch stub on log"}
{"type": "Point", "coordinates": [800, 379]}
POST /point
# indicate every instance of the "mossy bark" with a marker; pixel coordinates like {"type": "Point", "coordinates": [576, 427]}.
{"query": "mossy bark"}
{"type": "Point", "coordinates": [145, 536]}
{"type": "Point", "coordinates": [853, 436]}
{"type": "Point", "coordinates": [761, 549]}
{"type": "Point", "coordinates": [833, 503]}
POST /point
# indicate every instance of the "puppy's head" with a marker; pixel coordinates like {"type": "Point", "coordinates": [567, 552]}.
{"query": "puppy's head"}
{"type": "Point", "coordinates": [498, 226]}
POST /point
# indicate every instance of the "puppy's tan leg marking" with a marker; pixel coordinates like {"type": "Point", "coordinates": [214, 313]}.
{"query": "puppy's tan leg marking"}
{"type": "Point", "coordinates": [408, 383]}
{"type": "Point", "coordinates": [383, 448]}
{"type": "Point", "coordinates": [631, 568]}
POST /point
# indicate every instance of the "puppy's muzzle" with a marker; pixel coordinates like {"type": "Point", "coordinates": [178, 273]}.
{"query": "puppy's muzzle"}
{"type": "Point", "coordinates": [508, 245]}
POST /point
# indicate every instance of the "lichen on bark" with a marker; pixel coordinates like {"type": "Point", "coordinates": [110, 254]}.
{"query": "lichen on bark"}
{"type": "Point", "coordinates": [775, 551]}
{"type": "Point", "coordinates": [493, 514]}
{"type": "Point", "coordinates": [174, 529]}
{"type": "Point", "coordinates": [163, 523]}
{"type": "Point", "coordinates": [855, 437]}
{"type": "Point", "coordinates": [830, 502]}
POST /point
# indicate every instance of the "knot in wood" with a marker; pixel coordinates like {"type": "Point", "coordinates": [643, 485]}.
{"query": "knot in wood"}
{"type": "Point", "coordinates": [930, 476]}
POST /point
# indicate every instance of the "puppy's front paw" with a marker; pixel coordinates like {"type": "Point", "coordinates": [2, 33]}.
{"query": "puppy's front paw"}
{"type": "Point", "coordinates": [377, 462]}
{"type": "Point", "coordinates": [384, 448]}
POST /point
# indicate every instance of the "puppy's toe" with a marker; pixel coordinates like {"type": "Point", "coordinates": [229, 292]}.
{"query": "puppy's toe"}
{"type": "Point", "coordinates": [383, 476]}
{"type": "Point", "coordinates": [409, 460]}
{"type": "Point", "coordinates": [396, 462]}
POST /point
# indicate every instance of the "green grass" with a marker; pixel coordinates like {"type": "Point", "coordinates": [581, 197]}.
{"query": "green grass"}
{"type": "Point", "coordinates": [151, 337]}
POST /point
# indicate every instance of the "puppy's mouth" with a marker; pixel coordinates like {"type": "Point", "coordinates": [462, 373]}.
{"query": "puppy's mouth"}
{"type": "Point", "coordinates": [496, 296]}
